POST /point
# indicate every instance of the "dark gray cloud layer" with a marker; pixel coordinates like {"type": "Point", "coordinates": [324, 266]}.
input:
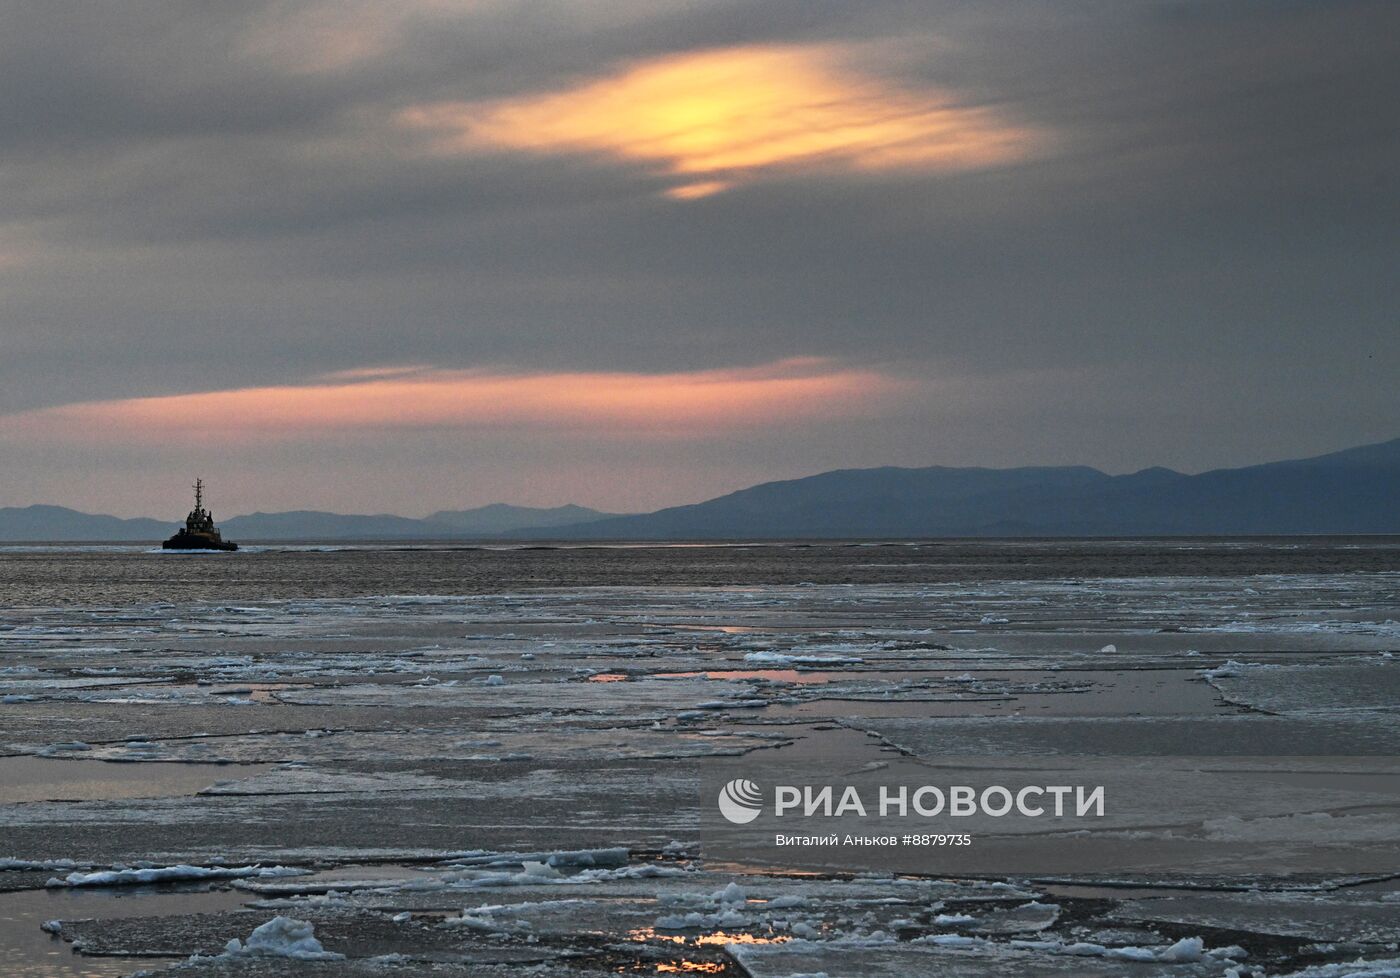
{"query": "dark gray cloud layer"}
{"type": "Point", "coordinates": [1199, 270]}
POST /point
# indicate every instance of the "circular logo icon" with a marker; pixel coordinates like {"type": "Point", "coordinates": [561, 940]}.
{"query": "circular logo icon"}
{"type": "Point", "coordinates": [740, 801]}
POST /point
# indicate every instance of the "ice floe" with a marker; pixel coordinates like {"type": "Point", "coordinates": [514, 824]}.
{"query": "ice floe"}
{"type": "Point", "coordinates": [282, 937]}
{"type": "Point", "coordinates": [124, 876]}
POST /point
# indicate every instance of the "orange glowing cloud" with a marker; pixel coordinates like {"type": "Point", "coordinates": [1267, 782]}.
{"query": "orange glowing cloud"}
{"type": "Point", "coordinates": [685, 404]}
{"type": "Point", "coordinates": [717, 118]}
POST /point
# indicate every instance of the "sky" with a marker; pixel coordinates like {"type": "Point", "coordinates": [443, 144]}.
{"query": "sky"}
{"type": "Point", "coordinates": [375, 257]}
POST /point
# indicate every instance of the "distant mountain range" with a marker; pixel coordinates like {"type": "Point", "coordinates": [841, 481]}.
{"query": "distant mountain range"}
{"type": "Point", "coordinates": [503, 518]}
{"type": "Point", "coordinates": [57, 523]}
{"type": "Point", "coordinates": [1353, 491]}
{"type": "Point", "coordinates": [484, 521]}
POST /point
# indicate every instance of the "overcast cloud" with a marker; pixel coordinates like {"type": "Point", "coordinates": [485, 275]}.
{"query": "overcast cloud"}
{"type": "Point", "coordinates": [1118, 233]}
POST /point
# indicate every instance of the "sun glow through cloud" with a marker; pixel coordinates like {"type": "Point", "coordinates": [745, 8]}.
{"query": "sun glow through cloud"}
{"type": "Point", "coordinates": [688, 404]}
{"type": "Point", "coordinates": [714, 119]}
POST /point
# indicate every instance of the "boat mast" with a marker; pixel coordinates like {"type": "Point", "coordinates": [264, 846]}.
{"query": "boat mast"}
{"type": "Point", "coordinates": [198, 494]}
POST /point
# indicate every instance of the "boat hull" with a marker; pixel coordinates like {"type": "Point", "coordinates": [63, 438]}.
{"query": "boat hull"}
{"type": "Point", "coordinates": [197, 541]}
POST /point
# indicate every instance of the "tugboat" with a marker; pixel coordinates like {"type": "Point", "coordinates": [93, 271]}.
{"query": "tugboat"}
{"type": "Point", "coordinates": [199, 531]}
